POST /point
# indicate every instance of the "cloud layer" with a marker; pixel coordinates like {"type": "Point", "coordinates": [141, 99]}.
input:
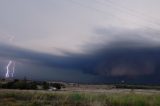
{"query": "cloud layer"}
{"type": "Point", "coordinates": [131, 58]}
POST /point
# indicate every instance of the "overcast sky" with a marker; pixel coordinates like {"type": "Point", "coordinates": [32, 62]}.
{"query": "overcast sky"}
{"type": "Point", "coordinates": [76, 27]}
{"type": "Point", "coordinates": [51, 25]}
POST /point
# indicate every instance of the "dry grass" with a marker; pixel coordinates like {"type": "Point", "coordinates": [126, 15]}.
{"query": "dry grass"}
{"type": "Point", "coordinates": [37, 98]}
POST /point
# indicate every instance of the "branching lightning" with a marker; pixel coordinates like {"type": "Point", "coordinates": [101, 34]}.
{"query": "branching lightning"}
{"type": "Point", "coordinates": [10, 68]}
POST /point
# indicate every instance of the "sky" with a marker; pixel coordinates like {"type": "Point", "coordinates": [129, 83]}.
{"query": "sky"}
{"type": "Point", "coordinates": [85, 41]}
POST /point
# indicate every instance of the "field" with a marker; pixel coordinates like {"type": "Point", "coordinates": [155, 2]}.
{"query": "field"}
{"type": "Point", "coordinates": [83, 97]}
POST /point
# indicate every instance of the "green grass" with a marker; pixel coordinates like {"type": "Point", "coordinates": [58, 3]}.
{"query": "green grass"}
{"type": "Point", "coordinates": [35, 98]}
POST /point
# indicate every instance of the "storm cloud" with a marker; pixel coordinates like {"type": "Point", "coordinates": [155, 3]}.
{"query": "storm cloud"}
{"type": "Point", "coordinates": [81, 41]}
{"type": "Point", "coordinates": [131, 58]}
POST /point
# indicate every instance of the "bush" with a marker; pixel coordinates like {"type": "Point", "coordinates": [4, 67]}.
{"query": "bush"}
{"type": "Point", "coordinates": [56, 85]}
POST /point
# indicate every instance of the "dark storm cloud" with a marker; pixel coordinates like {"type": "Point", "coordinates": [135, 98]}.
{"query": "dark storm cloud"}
{"type": "Point", "coordinates": [126, 58]}
{"type": "Point", "coordinates": [123, 54]}
{"type": "Point", "coordinates": [126, 53]}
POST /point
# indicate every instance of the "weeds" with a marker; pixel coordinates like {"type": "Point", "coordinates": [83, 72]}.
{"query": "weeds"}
{"type": "Point", "coordinates": [24, 98]}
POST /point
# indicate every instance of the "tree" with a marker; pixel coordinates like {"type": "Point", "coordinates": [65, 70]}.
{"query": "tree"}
{"type": "Point", "coordinates": [45, 85]}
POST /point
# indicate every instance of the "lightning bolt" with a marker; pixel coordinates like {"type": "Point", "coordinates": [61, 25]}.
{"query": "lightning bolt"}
{"type": "Point", "coordinates": [9, 70]}
{"type": "Point", "coordinates": [7, 67]}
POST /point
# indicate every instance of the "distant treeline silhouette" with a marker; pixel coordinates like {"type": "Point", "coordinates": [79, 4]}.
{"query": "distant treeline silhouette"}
{"type": "Point", "coordinates": [29, 85]}
{"type": "Point", "coordinates": [126, 86]}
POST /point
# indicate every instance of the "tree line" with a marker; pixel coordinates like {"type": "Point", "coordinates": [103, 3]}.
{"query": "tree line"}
{"type": "Point", "coordinates": [29, 85]}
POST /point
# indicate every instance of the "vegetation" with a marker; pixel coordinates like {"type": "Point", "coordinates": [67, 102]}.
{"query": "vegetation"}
{"type": "Point", "coordinates": [28, 85]}
{"type": "Point", "coordinates": [126, 86]}
{"type": "Point", "coordinates": [28, 98]}
{"type": "Point", "coordinates": [18, 84]}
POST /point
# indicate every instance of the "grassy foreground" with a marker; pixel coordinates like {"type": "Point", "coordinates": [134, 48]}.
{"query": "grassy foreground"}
{"type": "Point", "coordinates": [34, 98]}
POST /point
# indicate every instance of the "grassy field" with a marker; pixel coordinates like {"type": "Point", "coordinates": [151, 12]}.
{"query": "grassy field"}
{"type": "Point", "coordinates": [76, 98]}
